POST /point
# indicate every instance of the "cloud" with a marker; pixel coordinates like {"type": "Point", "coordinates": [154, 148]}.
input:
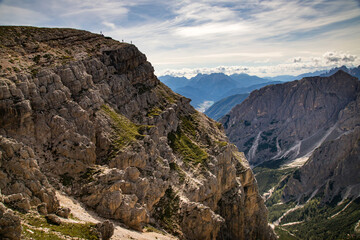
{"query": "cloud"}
{"type": "Point", "coordinates": [339, 57]}
{"type": "Point", "coordinates": [294, 66]}
{"type": "Point", "coordinates": [211, 29]}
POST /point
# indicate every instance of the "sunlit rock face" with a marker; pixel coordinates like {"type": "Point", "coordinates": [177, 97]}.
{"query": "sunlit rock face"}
{"type": "Point", "coordinates": [85, 114]}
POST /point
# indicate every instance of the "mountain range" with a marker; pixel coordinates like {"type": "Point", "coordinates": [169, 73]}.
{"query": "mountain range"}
{"type": "Point", "coordinates": [216, 87]}
{"type": "Point", "coordinates": [232, 97]}
{"type": "Point", "coordinates": [213, 87]}
{"type": "Point", "coordinates": [302, 140]}
{"type": "Point", "coordinates": [323, 73]}
{"type": "Point", "coordinates": [223, 106]}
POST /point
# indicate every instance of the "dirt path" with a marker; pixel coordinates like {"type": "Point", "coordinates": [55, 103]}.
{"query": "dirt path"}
{"type": "Point", "coordinates": [79, 212]}
{"type": "Point", "coordinates": [277, 222]}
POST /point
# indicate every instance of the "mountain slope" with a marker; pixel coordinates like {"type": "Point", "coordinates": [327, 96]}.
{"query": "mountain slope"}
{"type": "Point", "coordinates": [289, 120]}
{"type": "Point", "coordinates": [352, 71]}
{"type": "Point", "coordinates": [174, 82]}
{"type": "Point", "coordinates": [303, 138]}
{"type": "Point", "coordinates": [85, 114]}
{"type": "Point", "coordinates": [222, 107]}
{"type": "Point", "coordinates": [322, 73]}
{"type": "Point", "coordinates": [213, 87]}
{"type": "Point", "coordinates": [248, 89]}
{"type": "Point", "coordinates": [244, 80]}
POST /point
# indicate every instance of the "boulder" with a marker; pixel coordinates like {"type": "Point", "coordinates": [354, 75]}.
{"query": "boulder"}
{"type": "Point", "coordinates": [105, 229]}
{"type": "Point", "coordinates": [42, 209]}
{"type": "Point", "coordinates": [53, 219]}
{"type": "Point", "coordinates": [63, 212]}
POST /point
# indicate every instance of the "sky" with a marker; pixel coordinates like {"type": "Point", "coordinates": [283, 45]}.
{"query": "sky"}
{"type": "Point", "coordinates": [183, 38]}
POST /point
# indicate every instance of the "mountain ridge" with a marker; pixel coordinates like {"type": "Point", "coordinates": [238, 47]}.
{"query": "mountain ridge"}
{"type": "Point", "coordinates": [213, 87]}
{"type": "Point", "coordinates": [288, 93]}
{"type": "Point", "coordinates": [86, 115]}
{"type": "Point", "coordinates": [302, 140]}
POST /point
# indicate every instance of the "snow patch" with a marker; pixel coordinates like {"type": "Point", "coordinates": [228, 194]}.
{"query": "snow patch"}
{"type": "Point", "coordinates": [254, 147]}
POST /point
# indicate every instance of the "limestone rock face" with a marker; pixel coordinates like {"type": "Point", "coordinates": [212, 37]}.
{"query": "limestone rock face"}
{"type": "Point", "coordinates": [10, 225]}
{"type": "Point", "coordinates": [99, 125]}
{"type": "Point", "coordinates": [22, 183]}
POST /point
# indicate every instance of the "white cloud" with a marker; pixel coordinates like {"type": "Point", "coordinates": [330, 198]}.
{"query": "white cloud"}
{"type": "Point", "coordinates": [211, 29]}
{"type": "Point", "coordinates": [339, 57]}
{"type": "Point", "coordinates": [294, 66]}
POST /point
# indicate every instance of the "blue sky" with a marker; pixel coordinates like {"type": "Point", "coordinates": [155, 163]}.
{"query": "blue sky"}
{"type": "Point", "coordinates": [264, 38]}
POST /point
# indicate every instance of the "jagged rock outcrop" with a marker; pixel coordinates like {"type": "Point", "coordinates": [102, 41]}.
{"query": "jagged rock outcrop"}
{"type": "Point", "coordinates": [288, 121]}
{"type": "Point", "coordinates": [87, 114]}
{"type": "Point", "coordinates": [10, 224]}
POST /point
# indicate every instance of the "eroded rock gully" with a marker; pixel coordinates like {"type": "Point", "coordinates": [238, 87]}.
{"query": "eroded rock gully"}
{"type": "Point", "coordinates": [86, 114]}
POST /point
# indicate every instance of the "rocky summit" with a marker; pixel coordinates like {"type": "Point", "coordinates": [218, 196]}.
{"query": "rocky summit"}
{"type": "Point", "coordinates": [85, 115]}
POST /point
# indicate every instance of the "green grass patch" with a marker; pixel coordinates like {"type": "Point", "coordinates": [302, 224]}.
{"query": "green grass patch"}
{"type": "Point", "coordinates": [183, 145]}
{"type": "Point", "coordinates": [175, 167]}
{"type": "Point", "coordinates": [74, 230]}
{"type": "Point", "coordinates": [277, 210]}
{"type": "Point", "coordinates": [150, 228]}
{"type": "Point", "coordinates": [189, 125]}
{"type": "Point", "coordinates": [155, 111]}
{"type": "Point", "coordinates": [183, 141]}
{"type": "Point", "coordinates": [319, 223]}
{"type": "Point", "coordinates": [268, 177]}
{"type": "Point", "coordinates": [29, 233]}
{"type": "Point", "coordinates": [274, 204]}
{"type": "Point", "coordinates": [166, 211]}
{"type": "Point", "coordinates": [221, 143]}
{"type": "Point", "coordinates": [283, 234]}
{"type": "Point", "coordinates": [125, 131]}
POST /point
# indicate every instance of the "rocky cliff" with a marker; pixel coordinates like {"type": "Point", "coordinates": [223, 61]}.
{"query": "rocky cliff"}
{"type": "Point", "coordinates": [332, 169]}
{"type": "Point", "coordinates": [85, 114]}
{"type": "Point", "coordinates": [288, 121]}
{"type": "Point", "coordinates": [303, 138]}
